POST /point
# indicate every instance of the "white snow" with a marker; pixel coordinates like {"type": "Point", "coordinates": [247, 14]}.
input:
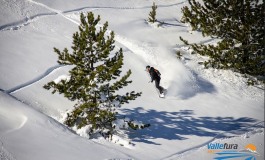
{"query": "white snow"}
{"type": "Point", "coordinates": [201, 105]}
{"type": "Point", "coordinates": [62, 78]}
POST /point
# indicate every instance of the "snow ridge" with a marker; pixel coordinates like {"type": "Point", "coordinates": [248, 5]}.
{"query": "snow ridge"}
{"type": "Point", "coordinates": [121, 8]}
{"type": "Point", "coordinates": [24, 22]}
{"type": "Point", "coordinates": [54, 10]}
{"type": "Point", "coordinates": [40, 77]}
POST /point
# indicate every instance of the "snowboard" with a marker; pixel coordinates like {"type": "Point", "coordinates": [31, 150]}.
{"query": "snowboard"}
{"type": "Point", "coordinates": [163, 94]}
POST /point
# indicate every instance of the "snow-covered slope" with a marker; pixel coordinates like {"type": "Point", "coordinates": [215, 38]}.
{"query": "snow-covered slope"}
{"type": "Point", "coordinates": [201, 106]}
{"type": "Point", "coordinates": [29, 134]}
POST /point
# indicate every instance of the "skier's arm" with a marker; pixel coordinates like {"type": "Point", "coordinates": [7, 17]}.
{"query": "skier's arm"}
{"type": "Point", "coordinates": [152, 76]}
{"type": "Point", "coordinates": [159, 74]}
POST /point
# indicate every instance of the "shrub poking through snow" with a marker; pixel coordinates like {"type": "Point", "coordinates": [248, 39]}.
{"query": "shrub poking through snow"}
{"type": "Point", "coordinates": [152, 14]}
{"type": "Point", "coordinates": [95, 78]}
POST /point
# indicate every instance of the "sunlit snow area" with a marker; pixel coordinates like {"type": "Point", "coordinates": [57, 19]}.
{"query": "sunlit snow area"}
{"type": "Point", "coordinates": [201, 106]}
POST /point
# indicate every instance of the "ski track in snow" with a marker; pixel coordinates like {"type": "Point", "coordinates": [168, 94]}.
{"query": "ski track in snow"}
{"type": "Point", "coordinates": [24, 22]}
{"type": "Point", "coordinates": [121, 8]}
{"type": "Point", "coordinates": [27, 84]}
{"type": "Point", "coordinates": [53, 10]}
{"type": "Point", "coordinates": [143, 50]}
{"type": "Point", "coordinates": [28, 20]}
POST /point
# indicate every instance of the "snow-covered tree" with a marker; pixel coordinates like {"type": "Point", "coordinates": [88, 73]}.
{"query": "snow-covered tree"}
{"type": "Point", "coordinates": [240, 26]}
{"type": "Point", "coordinates": [95, 77]}
{"type": "Point", "coordinates": [152, 14]}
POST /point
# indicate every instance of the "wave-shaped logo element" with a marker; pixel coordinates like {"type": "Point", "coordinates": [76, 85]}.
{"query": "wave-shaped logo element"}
{"type": "Point", "coordinates": [247, 154]}
{"type": "Point", "coordinates": [228, 155]}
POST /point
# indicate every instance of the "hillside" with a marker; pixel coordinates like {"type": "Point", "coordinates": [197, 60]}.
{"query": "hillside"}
{"type": "Point", "coordinates": [202, 106]}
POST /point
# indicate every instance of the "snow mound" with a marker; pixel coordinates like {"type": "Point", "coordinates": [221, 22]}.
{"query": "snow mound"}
{"type": "Point", "coordinates": [10, 123]}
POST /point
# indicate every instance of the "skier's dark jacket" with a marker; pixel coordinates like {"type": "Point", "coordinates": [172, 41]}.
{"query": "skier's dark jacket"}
{"type": "Point", "coordinates": [155, 74]}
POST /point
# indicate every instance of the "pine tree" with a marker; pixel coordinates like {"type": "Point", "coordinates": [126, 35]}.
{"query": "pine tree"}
{"type": "Point", "coordinates": [152, 14]}
{"type": "Point", "coordinates": [240, 26]}
{"type": "Point", "coordinates": [95, 77]}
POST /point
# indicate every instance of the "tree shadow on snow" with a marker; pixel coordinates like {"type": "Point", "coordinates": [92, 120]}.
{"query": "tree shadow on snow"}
{"type": "Point", "coordinates": [180, 125]}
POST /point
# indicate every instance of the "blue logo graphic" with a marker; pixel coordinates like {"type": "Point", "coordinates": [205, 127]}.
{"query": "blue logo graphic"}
{"type": "Point", "coordinates": [230, 151]}
{"type": "Point", "coordinates": [228, 155]}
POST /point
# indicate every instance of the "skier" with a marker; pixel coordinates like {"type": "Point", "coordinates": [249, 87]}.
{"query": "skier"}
{"type": "Point", "coordinates": [155, 76]}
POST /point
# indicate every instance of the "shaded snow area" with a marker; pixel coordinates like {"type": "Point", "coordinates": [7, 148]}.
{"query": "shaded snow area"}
{"type": "Point", "coordinates": [203, 108]}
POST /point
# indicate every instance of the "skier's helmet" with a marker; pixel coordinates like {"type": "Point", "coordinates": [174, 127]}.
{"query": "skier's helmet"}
{"type": "Point", "coordinates": [147, 67]}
